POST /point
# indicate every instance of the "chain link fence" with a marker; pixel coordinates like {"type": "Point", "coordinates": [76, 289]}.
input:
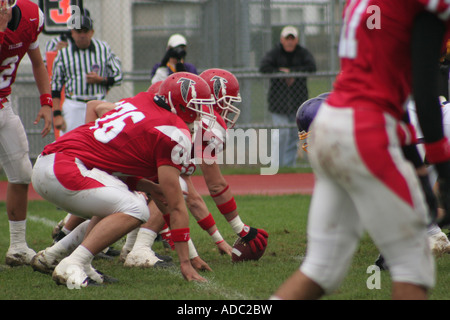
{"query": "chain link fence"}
{"type": "Point", "coordinates": [229, 34]}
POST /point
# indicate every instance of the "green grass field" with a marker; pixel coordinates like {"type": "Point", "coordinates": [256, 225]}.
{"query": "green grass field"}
{"type": "Point", "coordinates": [284, 217]}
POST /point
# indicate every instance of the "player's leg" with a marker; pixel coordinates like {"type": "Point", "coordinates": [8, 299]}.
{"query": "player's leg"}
{"type": "Point", "coordinates": [46, 260]}
{"type": "Point", "coordinates": [102, 195]}
{"type": "Point", "coordinates": [392, 206]}
{"type": "Point", "coordinates": [14, 159]}
{"type": "Point", "coordinates": [141, 253]}
{"type": "Point", "coordinates": [226, 204]}
{"type": "Point", "coordinates": [334, 231]}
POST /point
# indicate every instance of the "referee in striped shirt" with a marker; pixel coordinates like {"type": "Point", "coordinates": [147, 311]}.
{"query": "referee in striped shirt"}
{"type": "Point", "coordinates": [87, 68]}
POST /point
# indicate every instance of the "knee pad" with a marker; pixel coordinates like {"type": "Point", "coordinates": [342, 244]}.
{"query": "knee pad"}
{"type": "Point", "coordinates": [328, 276]}
{"type": "Point", "coordinates": [137, 207]}
{"type": "Point", "coordinates": [411, 262]}
{"type": "Point", "coordinates": [18, 170]}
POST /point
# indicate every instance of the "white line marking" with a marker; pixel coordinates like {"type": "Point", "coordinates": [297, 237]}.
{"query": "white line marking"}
{"type": "Point", "coordinates": [44, 221]}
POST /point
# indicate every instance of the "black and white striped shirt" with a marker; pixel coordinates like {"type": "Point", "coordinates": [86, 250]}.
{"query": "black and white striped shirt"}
{"type": "Point", "coordinates": [72, 64]}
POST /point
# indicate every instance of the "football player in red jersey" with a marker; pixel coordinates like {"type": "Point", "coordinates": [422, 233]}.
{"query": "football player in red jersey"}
{"type": "Point", "coordinates": [138, 142]}
{"type": "Point", "coordinates": [137, 250]}
{"type": "Point", "coordinates": [225, 88]}
{"type": "Point", "coordinates": [20, 25]}
{"type": "Point", "coordinates": [363, 180]}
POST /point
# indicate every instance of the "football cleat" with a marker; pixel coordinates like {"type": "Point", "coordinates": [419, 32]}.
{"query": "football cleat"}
{"type": "Point", "coordinates": [439, 244]}
{"type": "Point", "coordinates": [163, 257]}
{"type": "Point", "coordinates": [57, 229]}
{"type": "Point", "coordinates": [45, 263]}
{"type": "Point", "coordinates": [19, 256]}
{"type": "Point", "coordinates": [75, 275]}
{"type": "Point", "coordinates": [106, 278]}
{"type": "Point", "coordinates": [70, 274]}
{"type": "Point", "coordinates": [123, 254]}
{"type": "Point", "coordinates": [381, 263]}
{"type": "Point", "coordinates": [145, 258]}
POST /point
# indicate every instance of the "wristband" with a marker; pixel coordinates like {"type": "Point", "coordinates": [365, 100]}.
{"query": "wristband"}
{"type": "Point", "coordinates": [2, 37]}
{"type": "Point", "coordinates": [228, 206]}
{"type": "Point", "coordinates": [57, 113]}
{"type": "Point", "coordinates": [207, 222]}
{"type": "Point", "coordinates": [180, 235]}
{"type": "Point", "coordinates": [46, 100]}
{"type": "Point", "coordinates": [438, 151]}
{"type": "Point", "coordinates": [237, 225]}
{"type": "Point", "coordinates": [192, 251]}
{"type": "Point", "coordinates": [217, 237]}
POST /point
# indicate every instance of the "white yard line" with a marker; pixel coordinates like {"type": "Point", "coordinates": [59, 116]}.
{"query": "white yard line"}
{"type": "Point", "coordinates": [44, 221]}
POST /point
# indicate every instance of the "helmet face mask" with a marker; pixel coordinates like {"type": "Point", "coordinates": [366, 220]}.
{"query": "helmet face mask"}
{"type": "Point", "coordinates": [226, 109]}
{"type": "Point", "coordinates": [225, 88]}
{"type": "Point", "coordinates": [202, 107]}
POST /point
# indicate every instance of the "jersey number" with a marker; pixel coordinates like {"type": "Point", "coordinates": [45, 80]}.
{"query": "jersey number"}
{"type": "Point", "coordinates": [352, 18]}
{"type": "Point", "coordinates": [112, 125]}
{"type": "Point", "coordinates": [5, 75]}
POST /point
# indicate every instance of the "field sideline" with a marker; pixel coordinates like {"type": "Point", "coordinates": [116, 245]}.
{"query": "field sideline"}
{"type": "Point", "coordinates": [240, 184]}
{"type": "Point", "coordinates": [284, 216]}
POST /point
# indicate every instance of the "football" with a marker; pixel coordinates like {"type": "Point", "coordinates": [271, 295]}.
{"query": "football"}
{"type": "Point", "coordinates": [243, 252]}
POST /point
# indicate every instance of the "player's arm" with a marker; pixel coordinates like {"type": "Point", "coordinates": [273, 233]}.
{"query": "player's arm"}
{"type": "Point", "coordinates": [427, 38]}
{"type": "Point", "coordinates": [225, 202]}
{"type": "Point", "coordinates": [97, 108]}
{"type": "Point", "coordinates": [168, 177]}
{"type": "Point", "coordinates": [5, 16]}
{"type": "Point", "coordinates": [43, 84]}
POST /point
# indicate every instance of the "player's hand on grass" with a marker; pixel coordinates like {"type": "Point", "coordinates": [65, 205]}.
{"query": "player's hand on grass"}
{"type": "Point", "coordinates": [199, 264]}
{"type": "Point", "coordinates": [189, 273]}
{"type": "Point", "coordinates": [224, 248]}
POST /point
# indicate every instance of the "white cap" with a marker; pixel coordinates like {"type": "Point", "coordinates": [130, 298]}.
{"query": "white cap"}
{"type": "Point", "coordinates": [289, 30]}
{"type": "Point", "coordinates": [176, 40]}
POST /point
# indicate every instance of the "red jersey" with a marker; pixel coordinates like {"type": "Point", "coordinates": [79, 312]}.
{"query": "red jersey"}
{"type": "Point", "coordinates": [17, 42]}
{"type": "Point", "coordinates": [375, 53]}
{"type": "Point", "coordinates": [133, 139]}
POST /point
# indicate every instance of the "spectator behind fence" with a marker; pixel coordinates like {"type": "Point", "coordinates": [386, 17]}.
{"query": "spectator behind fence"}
{"type": "Point", "coordinates": [173, 60]}
{"type": "Point", "coordinates": [287, 94]}
{"type": "Point", "coordinates": [88, 69]}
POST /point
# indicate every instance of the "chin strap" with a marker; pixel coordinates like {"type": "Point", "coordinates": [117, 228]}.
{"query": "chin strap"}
{"type": "Point", "coordinates": [303, 136]}
{"type": "Point", "coordinates": [161, 103]}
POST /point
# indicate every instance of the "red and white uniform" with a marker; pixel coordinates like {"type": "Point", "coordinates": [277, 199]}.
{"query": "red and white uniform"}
{"type": "Point", "coordinates": [17, 42]}
{"type": "Point", "coordinates": [207, 144]}
{"type": "Point", "coordinates": [132, 140]}
{"type": "Point", "coordinates": [14, 156]}
{"type": "Point", "coordinates": [363, 180]}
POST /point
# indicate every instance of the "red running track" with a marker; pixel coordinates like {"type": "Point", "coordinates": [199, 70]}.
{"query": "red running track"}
{"type": "Point", "coordinates": [285, 183]}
